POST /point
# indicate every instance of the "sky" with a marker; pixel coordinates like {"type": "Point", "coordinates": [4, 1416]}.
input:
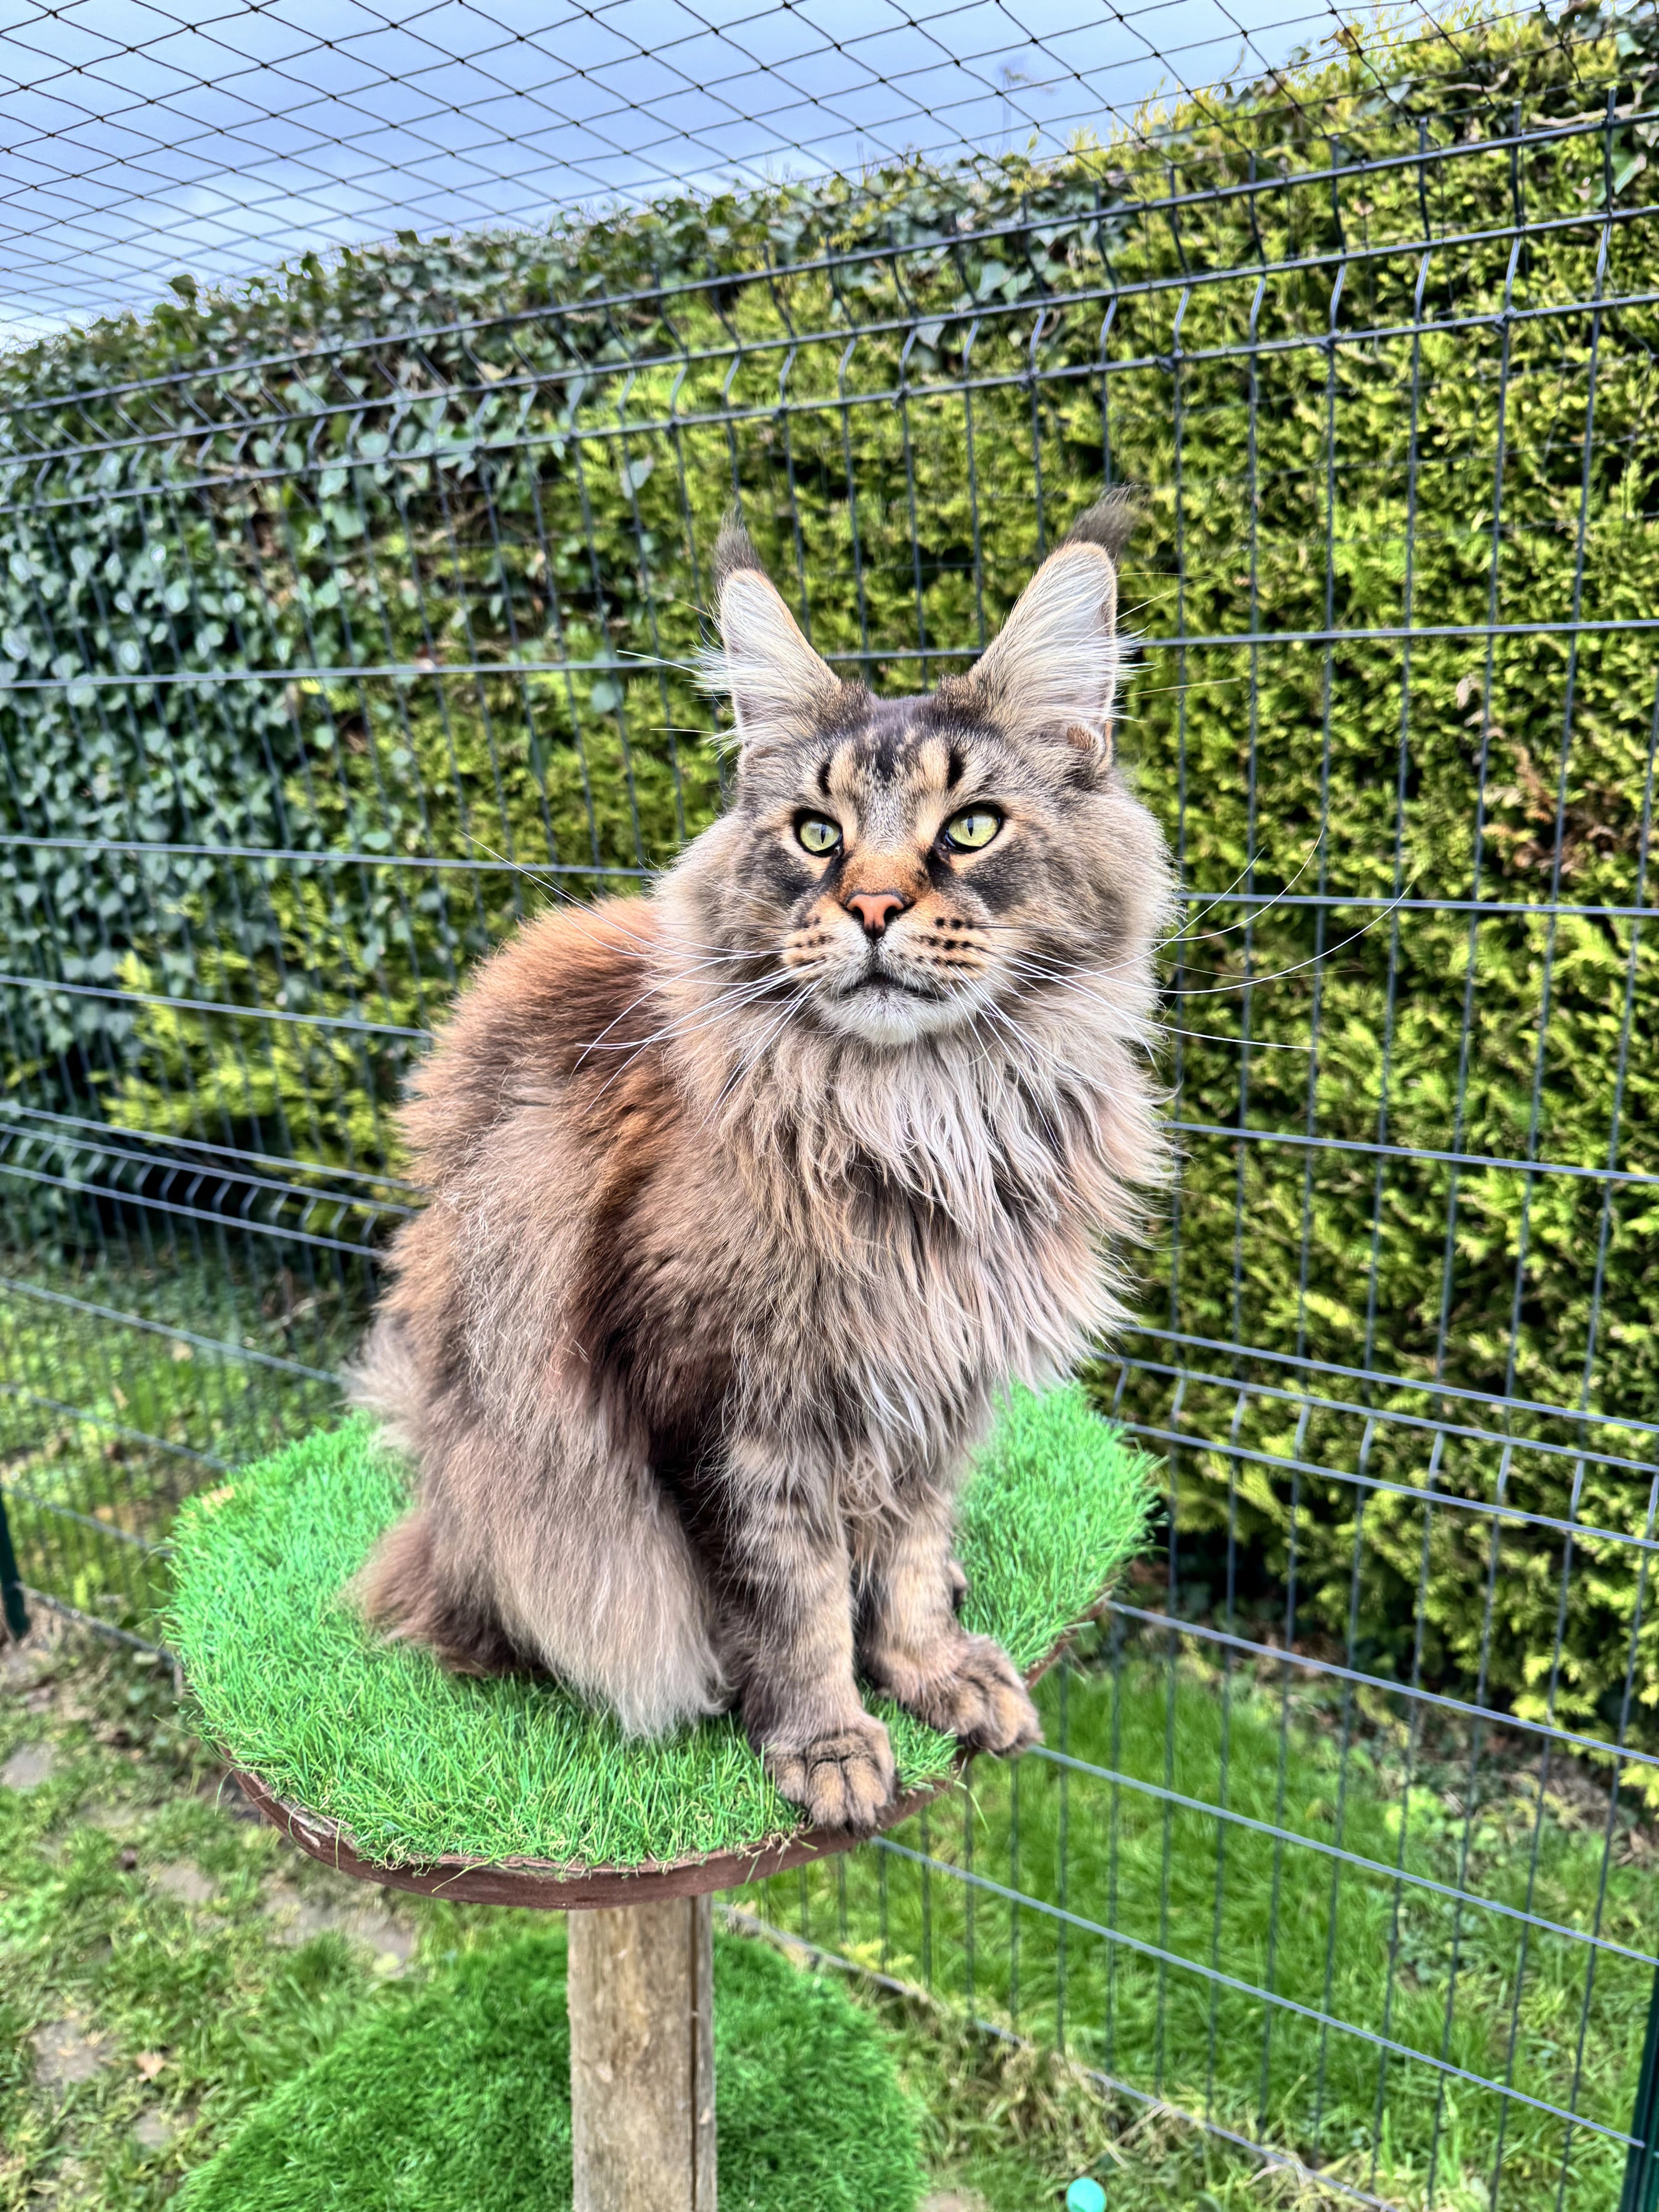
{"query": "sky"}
{"type": "Point", "coordinates": [140, 142]}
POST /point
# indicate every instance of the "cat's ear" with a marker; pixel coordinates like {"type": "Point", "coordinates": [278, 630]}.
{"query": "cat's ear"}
{"type": "Point", "coordinates": [1052, 672]}
{"type": "Point", "coordinates": [781, 691]}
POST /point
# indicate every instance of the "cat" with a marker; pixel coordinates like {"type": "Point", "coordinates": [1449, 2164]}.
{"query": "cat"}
{"type": "Point", "coordinates": [748, 1197]}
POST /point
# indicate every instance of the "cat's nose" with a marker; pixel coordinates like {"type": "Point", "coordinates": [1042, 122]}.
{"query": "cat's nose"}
{"type": "Point", "coordinates": [875, 909]}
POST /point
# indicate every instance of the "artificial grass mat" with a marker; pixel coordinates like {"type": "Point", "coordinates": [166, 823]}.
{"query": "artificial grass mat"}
{"type": "Point", "coordinates": [458, 2099]}
{"type": "Point", "coordinates": [413, 1762]}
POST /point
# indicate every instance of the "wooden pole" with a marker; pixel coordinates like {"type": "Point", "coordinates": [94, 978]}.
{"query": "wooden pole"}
{"type": "Point", "coordinates": [642, 2057]}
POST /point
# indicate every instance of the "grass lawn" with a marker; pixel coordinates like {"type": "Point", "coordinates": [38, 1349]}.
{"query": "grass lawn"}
{"type": "Point", "coordinates": [1470, 1985]}
{"type": "Point", "coordinates": [117, 1401]}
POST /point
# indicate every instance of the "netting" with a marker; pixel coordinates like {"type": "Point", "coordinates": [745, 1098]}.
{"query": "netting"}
{"type": "Point", "coordinates": [142, 141]}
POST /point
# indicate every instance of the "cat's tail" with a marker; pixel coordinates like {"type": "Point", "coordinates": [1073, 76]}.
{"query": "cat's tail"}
{"type": "Point", "coordinates": [385, 1379]}
{"type": "Point", "coordinates": [404, 1593]}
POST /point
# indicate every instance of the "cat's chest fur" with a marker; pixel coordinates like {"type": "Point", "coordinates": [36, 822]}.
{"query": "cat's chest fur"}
{"type": "Point", "coordinates": [863, 1321]}
{"type": "Point", "coordinates": [920, 1292]}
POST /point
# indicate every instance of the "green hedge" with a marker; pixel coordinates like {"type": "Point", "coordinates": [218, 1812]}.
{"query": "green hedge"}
{"type": "Point", "coordinates": [463, 460]}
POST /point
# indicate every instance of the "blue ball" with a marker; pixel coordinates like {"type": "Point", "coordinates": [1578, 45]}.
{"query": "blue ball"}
{"type": "Point", "coordinates": [1085, 2194]}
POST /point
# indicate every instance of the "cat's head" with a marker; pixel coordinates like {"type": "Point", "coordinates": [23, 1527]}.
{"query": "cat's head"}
{"type": "Point", "coordinates": [914, 866]}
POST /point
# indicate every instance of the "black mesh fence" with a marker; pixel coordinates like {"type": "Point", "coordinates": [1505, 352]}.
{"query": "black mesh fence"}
{"type": "Point", "coordinates": [351, 603]}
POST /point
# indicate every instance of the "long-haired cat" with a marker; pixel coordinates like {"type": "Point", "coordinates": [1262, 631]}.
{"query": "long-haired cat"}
{"type": "Point", "coordinates": [747, 1197]}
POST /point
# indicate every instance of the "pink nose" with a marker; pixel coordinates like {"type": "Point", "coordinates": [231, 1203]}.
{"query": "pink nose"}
{"type": "Point", "coordinates": [875, 909]}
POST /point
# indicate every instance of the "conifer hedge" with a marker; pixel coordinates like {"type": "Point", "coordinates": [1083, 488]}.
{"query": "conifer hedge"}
{"type": "Point", "coordinates": [405, 555]}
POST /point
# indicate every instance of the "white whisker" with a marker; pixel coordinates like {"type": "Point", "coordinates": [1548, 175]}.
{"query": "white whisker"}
{"type": "Point", "coordinates": [725, 1004]}
{"type": "Point", "coordinates": [733, 997]}
{"type": "Point", "coordinates": [1278, 975]}
{"type": "Point", "coordinates": [766, 1038]}
{"type": "Point", "coordinates": [1250, 863]}
{"type": "Point", "coordinates": [1283, 892]}
{"type": "Point", "coordinates": [1072, 980]}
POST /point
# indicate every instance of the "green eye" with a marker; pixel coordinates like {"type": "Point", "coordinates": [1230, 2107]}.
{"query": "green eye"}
{"type": "Point", "coordinates": [817, 833]}
{"type": "Point", "coordinates": [972, 831]}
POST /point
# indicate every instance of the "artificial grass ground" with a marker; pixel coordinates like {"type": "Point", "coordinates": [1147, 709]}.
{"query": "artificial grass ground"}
{"type": "Point", "coordinates": [458, 2100]}
{"type": "Point", "coordinates": [413, 1762]}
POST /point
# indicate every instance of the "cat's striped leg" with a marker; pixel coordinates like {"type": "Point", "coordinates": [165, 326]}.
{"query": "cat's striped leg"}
{"type": "Point", "coordinates": [785, 1588]}
{"type": "Point", "coordinates": [912, 1645]}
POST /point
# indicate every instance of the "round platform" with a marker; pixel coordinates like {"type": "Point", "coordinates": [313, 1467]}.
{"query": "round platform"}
{"type": "Point", "coordinates": [456, 2100]}
{"type": "Point", "coordinates": [507, 1790]}
{"type": "Point", "coordinates": [536, 1885]}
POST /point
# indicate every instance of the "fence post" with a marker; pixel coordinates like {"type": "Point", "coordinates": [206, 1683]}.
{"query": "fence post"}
{"type": "Point", "coordinates": [11, 1589]}
{"type": "Point", "coordinates": [1642, 2166]}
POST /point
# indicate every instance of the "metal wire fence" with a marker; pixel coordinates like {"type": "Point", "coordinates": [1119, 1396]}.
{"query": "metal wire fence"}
{"type": "Point", "coordinates": [349, 615]}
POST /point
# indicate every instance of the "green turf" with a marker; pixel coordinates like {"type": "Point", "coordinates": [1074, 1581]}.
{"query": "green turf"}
{"type": "Point", "coordinates": [413, 1762]}
{"type": "Point", "coordinates": [460, 2101]}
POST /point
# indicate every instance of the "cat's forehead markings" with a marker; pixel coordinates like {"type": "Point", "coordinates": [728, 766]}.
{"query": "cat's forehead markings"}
{"type": "Point", "coordinates": [890, 758]}
{"type": "Point", "coordinates": [937, 764]}
{"type": "Point", "coordinates": [842, 776]}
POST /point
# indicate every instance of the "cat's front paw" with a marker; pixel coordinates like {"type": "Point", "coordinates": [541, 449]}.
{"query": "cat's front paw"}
{"type": "Point", "coordinates": [844, 1778]}
{"type": "Point", "coordinates": [972, 1692]}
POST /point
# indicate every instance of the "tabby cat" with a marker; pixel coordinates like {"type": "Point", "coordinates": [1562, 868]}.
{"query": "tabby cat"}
{"type": "Point", "coordinates": [749, 1196]}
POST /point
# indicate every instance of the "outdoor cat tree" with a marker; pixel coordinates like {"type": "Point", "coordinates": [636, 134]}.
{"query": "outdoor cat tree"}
{"type": "Point", "coordinates": [377, 1763]}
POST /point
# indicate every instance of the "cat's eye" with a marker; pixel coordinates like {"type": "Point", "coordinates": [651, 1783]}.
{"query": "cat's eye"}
{"type": "Point", "coordinates": [973, 830]}
{"type": "Point", "coordinates": [817, 833]}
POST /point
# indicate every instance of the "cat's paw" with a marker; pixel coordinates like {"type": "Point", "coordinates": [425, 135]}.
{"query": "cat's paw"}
{"type": "Point", "coordinates": [844, 1778]}
{"type": "Point", "coordinates": [975, 1695]}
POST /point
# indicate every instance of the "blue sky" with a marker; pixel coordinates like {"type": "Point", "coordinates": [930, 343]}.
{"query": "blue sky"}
{"type": "Point", "coordinates": [138, 141]}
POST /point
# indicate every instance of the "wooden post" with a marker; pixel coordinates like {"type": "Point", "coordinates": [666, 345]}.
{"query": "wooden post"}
{"type": "Point", "coordinates": [642, 2057]}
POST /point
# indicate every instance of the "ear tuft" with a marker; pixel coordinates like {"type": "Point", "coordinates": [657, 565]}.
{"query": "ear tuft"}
{"type": "Point", "coordinates": [1110, 523]}
{"type": "Point", "coordinates": [780, 689]}
{"type": "Point", "coordinates": [1095, 746]}
{"type": "Point", "coordinates": [733, 550]}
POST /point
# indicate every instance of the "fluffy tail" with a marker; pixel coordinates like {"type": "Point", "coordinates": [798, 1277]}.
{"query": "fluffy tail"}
{"type": "Point", "coordinates": [403, 1594]}
{"type": "Point", "coordinates": [404, 1591]}
{"type": "Point", "coordinates": [385, 1378]}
